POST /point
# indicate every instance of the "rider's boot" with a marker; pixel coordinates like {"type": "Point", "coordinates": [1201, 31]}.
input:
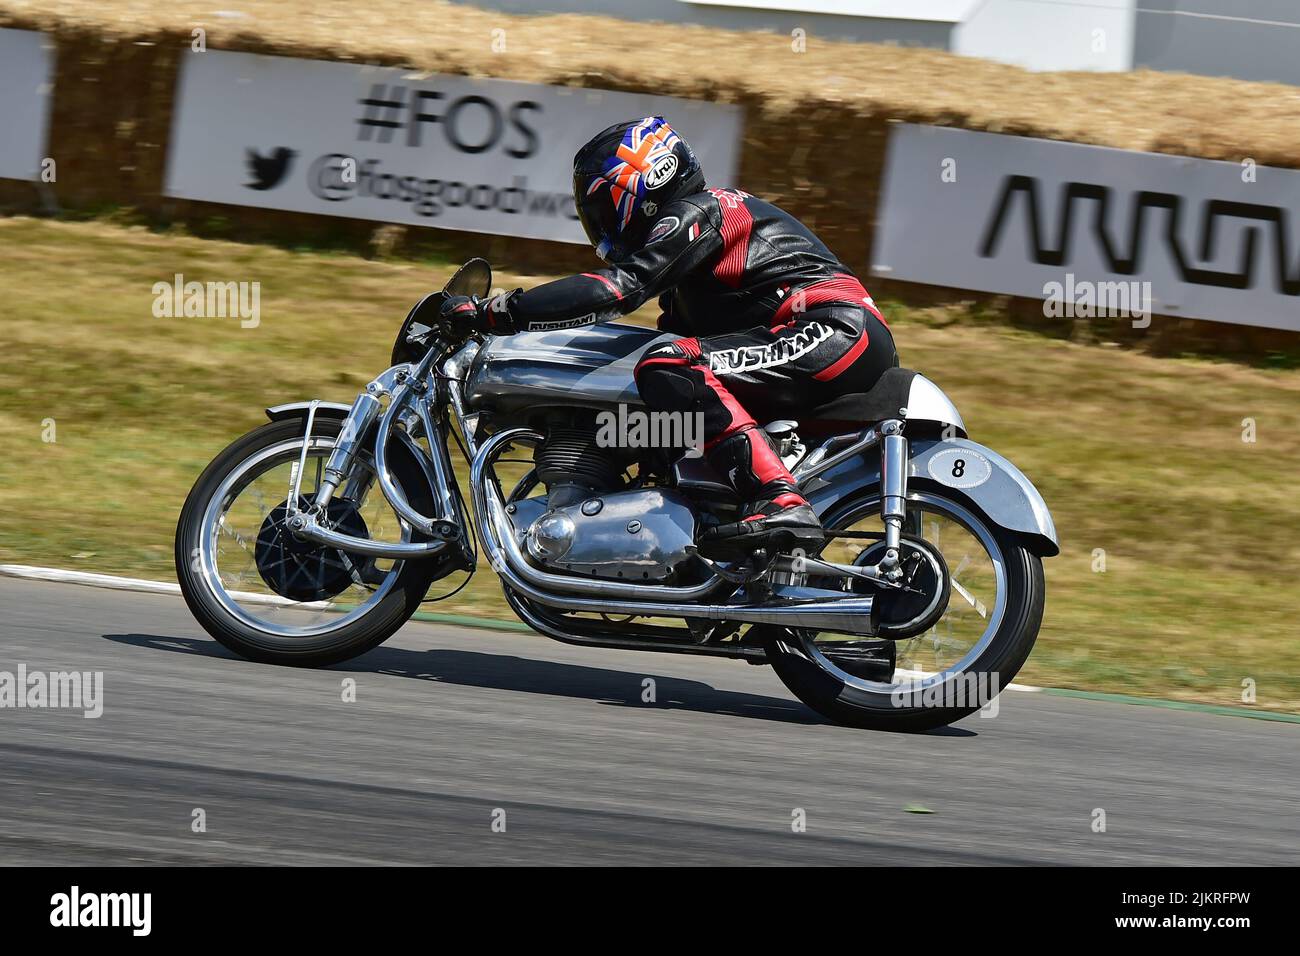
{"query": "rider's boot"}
{"type": "Point", "coordinates": [776, 517]}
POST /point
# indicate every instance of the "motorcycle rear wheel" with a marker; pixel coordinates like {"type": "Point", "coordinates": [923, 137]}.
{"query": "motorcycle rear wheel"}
{"type": "Point", "coordinates": [950, 688]}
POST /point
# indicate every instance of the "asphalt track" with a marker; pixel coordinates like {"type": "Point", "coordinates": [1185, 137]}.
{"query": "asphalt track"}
{"type": "Point", "coordinates": [451, 727]}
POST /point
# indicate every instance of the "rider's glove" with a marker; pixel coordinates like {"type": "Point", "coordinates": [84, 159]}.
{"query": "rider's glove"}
{"type": "Point", "coordinates": [491, 315]}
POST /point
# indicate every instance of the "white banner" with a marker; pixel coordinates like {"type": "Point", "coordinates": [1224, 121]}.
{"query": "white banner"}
{"type": "Point", "coordinates": [386, 144]}
{"type": "Point", "coordinates": [26, 77]}
{"type": "Point", "coordinates": [1091, 230]}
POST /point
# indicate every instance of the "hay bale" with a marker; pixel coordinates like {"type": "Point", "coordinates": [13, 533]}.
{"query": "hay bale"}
{"type": "Point", "coordinates": [816, 121]}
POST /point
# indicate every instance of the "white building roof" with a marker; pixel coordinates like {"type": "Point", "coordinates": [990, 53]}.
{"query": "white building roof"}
{"type": "Point", "coordinates": [943, 11]}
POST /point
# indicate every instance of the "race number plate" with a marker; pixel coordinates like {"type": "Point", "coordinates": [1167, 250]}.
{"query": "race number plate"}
{"type": "Point", "coordinates": [959, 468]}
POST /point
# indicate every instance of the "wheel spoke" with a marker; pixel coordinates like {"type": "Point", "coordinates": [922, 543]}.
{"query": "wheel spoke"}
{"type": "Point", "coordinates": [969, 598]}
{"type": "Point", "coordinates": [232, 533]}
{"type": "Point", "coordinates": [249, 509]}
{"type": "Point", "coordinates": [972, 563]}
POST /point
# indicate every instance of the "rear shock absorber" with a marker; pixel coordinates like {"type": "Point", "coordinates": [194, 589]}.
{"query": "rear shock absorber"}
{"type": "Point", "coordinates": [893, 488]}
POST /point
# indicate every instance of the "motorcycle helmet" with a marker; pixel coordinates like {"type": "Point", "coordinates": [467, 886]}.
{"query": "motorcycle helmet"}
{"type": "Point", "coordinates": [624, 175]}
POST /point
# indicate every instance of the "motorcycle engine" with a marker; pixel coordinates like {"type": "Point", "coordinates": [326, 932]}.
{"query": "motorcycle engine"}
{"type": "Point", "coordinates": [590, 524]}
{"type": "Point", "coordinates": [573, 466]}
{"type": "Point", "coordinates": [642, 535]}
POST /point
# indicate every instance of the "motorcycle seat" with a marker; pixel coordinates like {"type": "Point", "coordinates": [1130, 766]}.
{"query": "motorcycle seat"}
{"type": "Point", "coordinates": [883, 401]}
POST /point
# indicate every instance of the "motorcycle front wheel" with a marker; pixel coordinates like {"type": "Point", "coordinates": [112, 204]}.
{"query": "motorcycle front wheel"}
{"type": "Point", "coordinates": [994, 606]}
{"type": "Point", "coordinates": [273, 599]}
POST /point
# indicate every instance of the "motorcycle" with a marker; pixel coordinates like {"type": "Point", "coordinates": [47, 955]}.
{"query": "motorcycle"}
{"type": "Point", "coordinates": [312, 539]}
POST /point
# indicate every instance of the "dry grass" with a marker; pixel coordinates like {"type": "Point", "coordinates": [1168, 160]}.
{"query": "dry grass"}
{"type": "Point", "coordinates": [1138, 456]}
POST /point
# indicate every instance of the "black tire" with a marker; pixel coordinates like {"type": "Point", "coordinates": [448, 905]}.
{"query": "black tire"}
{"type": "Point", "coordinates": [855, 706]}
{"type": "Point", "coordinates": [356, 637]}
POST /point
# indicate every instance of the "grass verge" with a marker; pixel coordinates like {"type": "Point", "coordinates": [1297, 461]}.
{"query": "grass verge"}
{"type": "Point", "coordinates": [1141, 459]}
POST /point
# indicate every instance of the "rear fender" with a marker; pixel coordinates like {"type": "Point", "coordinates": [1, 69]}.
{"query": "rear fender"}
{"type": "Point", "coordinates": [959, 468]}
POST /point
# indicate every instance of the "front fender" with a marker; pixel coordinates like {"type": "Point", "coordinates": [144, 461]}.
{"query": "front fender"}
{"type": "Point", "coordinates": [986, 480]}
{"type": "Point", "coordinates": [337, 410]}
{"type": "Point", "coordinates": [299, 410]}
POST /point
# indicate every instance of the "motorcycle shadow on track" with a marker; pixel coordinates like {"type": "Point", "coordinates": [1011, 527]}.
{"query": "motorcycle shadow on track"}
{"type": "Point", "coordinates": [554, 678]}
{"type": "Point", "coordinates": [524, 675]}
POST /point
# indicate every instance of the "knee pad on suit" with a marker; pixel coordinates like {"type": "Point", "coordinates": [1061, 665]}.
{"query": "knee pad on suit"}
{"type": "Point", "coordinates": [669, 387]}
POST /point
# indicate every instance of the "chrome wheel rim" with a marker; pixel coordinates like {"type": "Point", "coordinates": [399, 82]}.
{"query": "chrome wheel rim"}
{"type": "Point", "coordinates": [949, 648]}
{"type": "Point", "coordinates": [242, 594]}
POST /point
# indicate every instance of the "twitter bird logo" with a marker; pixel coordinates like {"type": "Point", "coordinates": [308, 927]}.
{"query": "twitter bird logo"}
{"type": "Point", "coordinates": [268, 171]}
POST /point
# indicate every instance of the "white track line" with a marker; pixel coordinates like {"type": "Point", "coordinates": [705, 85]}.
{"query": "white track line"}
{"type": "Point", "coordinates": [166, 587]}
{"type": "Point", "coordinates": [140, 584]}
{"type": "Point", "coordinates": [901, 672]}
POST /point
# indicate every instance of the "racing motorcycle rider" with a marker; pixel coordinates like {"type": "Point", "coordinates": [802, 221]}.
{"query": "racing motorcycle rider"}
{"type": "Point", "coordinates": [771, 323]}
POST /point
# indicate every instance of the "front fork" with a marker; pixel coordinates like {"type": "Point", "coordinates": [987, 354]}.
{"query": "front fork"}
{"type": "Point", "coordinates": [363, 414]}
{"type": "Point", "coordinates": [405, 384]}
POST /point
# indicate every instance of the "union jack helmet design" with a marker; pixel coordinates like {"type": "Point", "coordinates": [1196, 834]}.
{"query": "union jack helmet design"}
{"type": "Point", "coordinates": [622, 177]}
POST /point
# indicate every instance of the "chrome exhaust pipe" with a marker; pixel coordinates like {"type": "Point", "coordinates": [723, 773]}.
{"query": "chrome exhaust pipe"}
{"type": "Point", "coordinates": [494, 525]}
{"type": "Point", "coordinates": [788, 606]}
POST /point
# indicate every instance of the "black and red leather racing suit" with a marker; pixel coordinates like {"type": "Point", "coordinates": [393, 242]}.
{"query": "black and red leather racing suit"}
{"type": "Point", "coordinates": [771, 323]}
